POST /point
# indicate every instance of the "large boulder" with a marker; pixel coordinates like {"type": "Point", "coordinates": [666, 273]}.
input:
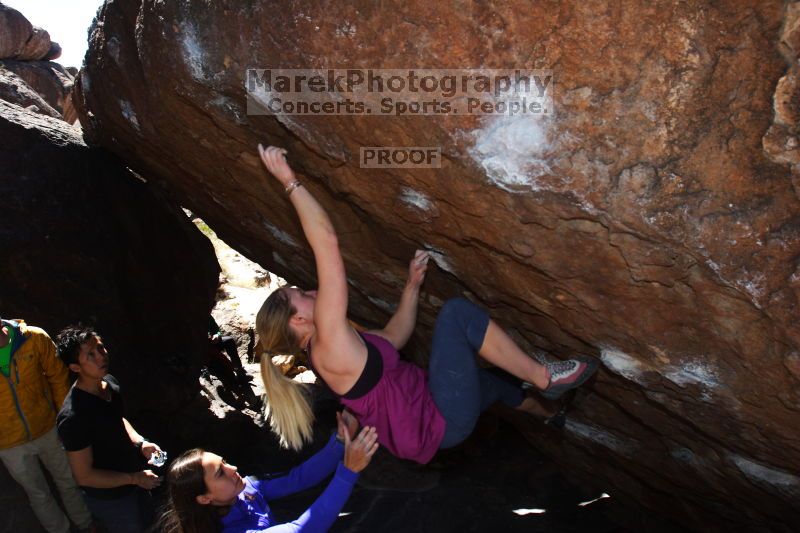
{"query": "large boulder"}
{"type": "Point", "coordinates": [651, 221]}
{"type": "Point", "coordinates": [27, 76]}
{"type": "Point", "coordinates": [86, 241]}
{"type": "Point", "coordinates": [21, 40]}
{"type": "Point", "coordinates": [16, 31]}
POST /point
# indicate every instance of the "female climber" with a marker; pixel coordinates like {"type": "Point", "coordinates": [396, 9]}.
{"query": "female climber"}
{"type": "Point", "coordinates": [415, 412]}
{"type": "Point", "coordinates": [207, 495]}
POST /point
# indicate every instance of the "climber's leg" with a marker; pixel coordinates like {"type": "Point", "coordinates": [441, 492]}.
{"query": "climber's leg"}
{"type": "Point", "coordinates": [460, 388]}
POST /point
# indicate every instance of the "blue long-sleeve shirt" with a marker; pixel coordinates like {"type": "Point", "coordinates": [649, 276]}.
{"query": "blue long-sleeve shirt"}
{"type": "Point", "coordinates": [251, 513]}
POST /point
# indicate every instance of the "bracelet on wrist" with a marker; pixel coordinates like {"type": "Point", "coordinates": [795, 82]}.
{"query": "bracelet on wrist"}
{"type": "Point", "coordinates": [292, 186]}
{"type": "Point", "coordinates": [140, 444]}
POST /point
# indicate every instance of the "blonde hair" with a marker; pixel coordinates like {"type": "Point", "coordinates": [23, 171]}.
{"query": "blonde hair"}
{"type": "Point", "coordinates": [288, 407]}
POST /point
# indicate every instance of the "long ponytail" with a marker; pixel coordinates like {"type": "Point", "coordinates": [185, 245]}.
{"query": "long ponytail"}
{"type": "Point", "coordinates": [288, 406]}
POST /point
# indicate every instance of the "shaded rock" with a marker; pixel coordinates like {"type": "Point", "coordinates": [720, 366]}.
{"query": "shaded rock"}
{"type": "Point", "coordinates": [49, 80]}
{"type": "Point", "coordinates": [87, 241]}
{"type": "Point", "coordinates": [54, 53]}
{"type": "Point", "coordinates": [243, 288]}
{"type": "Point", "coordinates": [649, 222]}
{"type": "Point", "coordinates": [492, 482]}
{"type": "Point", "coordinates": [13, 89]}
{"type": "Point", "coordinates": [84, 240]}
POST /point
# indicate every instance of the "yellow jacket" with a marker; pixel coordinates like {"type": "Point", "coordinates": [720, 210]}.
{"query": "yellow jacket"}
{"type": "Point", "coordinates": [32, 394]}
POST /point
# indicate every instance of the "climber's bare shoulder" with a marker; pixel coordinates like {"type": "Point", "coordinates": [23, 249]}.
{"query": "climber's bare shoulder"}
{"type": "Point", "coordinates": [340, 358]}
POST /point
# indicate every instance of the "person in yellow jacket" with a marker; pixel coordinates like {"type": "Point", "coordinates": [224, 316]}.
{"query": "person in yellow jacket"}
{"type": "Point", "coordinates": [33, 384]}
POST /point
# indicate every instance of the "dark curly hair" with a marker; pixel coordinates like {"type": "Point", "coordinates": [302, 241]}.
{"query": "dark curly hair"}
{"type": "Point", "coordinates": [69, 340]}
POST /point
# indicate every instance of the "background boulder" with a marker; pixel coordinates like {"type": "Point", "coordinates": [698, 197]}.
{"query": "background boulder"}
{"type": "Point", "coordinates": [21, 40]}
{"type": "Point", "coordinates": [86, 241]}
{"type": "Point", "coordinates": [49, 80]}
{"type": "Point", "coordinates": [13, 89]}
{"type": "Point", "coordinates": [26, 70]}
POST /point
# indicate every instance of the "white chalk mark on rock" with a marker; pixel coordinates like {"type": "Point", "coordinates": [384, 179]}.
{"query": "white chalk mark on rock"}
{"type": "Point", "coordinates": [693, 372]}
{"type": "Point", "coordinates": [601, 436]}
{"type": "Point", "coordinates": [510, 150]}
{"type": "Point", "coordinates": [129, 114]}
{"type": "Point", "coordinates": [112, 45]}
{"type": "Point", "coordinates": [281, 235]}
{"type": "Point", "coordinates": [228, 106]}
{"type": "Point", "coordinates": [623, 364]}
{"type": "Point", "coordinates": [347, 29]}
{"type": "Point", "coordinates": [193, 53]}
{"type": "Point", "coordinates": [383, 304]}
{"type": "Point", "coordinates": [415, 199]}
{"type": "Point", "coordinates": [440, 258]}
{"type": "Point", "coordinates": [753, 285]}
{"type": "Point", "coordinates": [761, 473]}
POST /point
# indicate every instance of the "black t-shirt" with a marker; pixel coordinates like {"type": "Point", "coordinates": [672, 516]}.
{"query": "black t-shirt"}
{"type": "Point", "coordinates": [88, 420]}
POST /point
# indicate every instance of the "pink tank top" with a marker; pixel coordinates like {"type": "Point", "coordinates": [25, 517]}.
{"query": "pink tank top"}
{"type": "Point", "coordinates": [399, 405]}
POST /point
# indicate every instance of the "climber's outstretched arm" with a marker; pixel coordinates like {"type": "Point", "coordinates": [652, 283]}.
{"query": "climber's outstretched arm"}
{"type": "Point", "coordinates": [401, 325]}
{"type": "Point", "coordinates": [330, 313]}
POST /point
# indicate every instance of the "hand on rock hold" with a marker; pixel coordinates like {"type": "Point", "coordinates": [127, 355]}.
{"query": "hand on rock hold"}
{"type": "Point", "coordinates": [417, 268]}
{"type": "Point", "coordinates": [274, 159]}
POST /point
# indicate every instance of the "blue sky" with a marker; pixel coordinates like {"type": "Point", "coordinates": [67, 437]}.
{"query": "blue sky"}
{"type": "Point", "coordinates": [66, 21]}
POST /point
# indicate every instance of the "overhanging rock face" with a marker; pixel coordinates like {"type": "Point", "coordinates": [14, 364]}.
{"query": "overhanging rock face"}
{"type": "Point", "coordinates": [651, 221]}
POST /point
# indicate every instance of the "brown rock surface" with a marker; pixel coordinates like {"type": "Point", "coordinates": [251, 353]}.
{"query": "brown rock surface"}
{"type": "Point", "coordinates": [13, 89]}
{"type": "Point", "coordinates": [19, 39]}
{"type": "Point", "coordinates": [655, 224]}
{"type": "Point", "coordinates": [25, 51]}
{"type": "Point", "coordinates": [37, 47]}
{"type": "Point", "coordinates": [16, 31]}
{"type": "Point", "coordinates": [781, 141]}
{"type": "Point", "coordinates": [51, 81]}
